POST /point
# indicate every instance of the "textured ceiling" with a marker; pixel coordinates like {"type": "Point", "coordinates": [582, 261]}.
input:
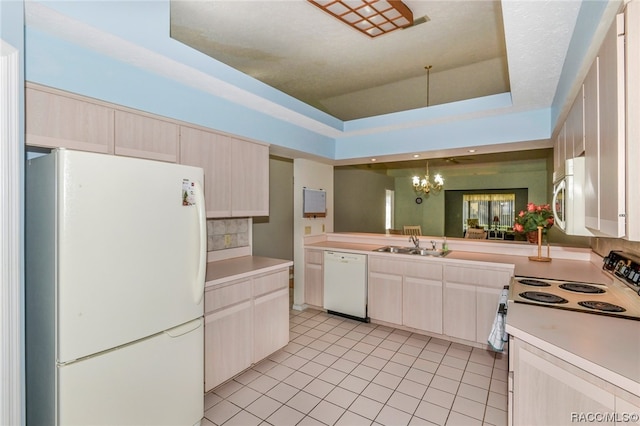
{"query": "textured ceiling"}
{"type": "Point", "coordinates": [536, 37]}
{"type": "Point", "coordinates": [295, 47]}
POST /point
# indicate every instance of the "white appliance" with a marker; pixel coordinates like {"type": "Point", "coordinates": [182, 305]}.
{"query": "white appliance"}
{"type": "Point", "coordinates": [115, 268]}
{"type": "Point", "coordinates": [345, 284]}
{"type": "Point", "coordinates": [569, 201]}
{"type": "Point", "coordinates": [619, 298]}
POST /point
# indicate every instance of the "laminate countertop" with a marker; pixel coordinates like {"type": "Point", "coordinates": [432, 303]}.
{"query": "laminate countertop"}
{"type": "Point", "coordinates": [561, 269]}
{"type": "Point", "coordinates": [241, 267]}
{"type": "Point", "coordinates": [606, 347]}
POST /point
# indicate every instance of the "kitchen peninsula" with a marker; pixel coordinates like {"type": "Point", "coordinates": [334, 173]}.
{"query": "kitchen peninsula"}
{"type": "Point", "coordinates": [582, 362]}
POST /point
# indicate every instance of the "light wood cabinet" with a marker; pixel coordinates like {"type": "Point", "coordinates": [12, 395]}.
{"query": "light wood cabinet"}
{"type": "Point", "coordinates": [385, 290]}
{"type": "Point", "coordinates": [422, 297]}
{"type": "Point", "coordinates": [212, 152]}
{"type": "Point", "coordinates": [245, 321]}
{"type": "Point", "coordinates": [605, 145]}
{"type": "Point", "coordinates": [486, 306]}
{"type": "Point", "coordinates": [575, 127]}
{"type": "Point", "coordinates": [559, 153]}
{"type": "Point", "coordinates": [314, 278]}
{"type": "Point", "coordinates": [228, 347]}
{"type": "Point", "coordinates": [460, 310]}
{"type": "Point", "coordinates": [591, 145]}
{"type": "Point", "coordinates": [454, 301]}
{"type": "Point", "coordinates": [143, 136]}
{"type": "Point", "coordinates": [236, 172]}
{"type": "Point", "coordinates": [56, 119]}
{"type": "Point", "coordinates": [471, 296]}
{"type": "Point", "coordinates": [627, 405]}
{"type": "Point", "coordinates": [632, 68]}
{"type": "Point", "coordinates": [406, 292]}
{"type": "Point", "coordinates": [271, 313]}
{"type": "Point", "coordinates": [548, 390]}
{"type": "Point", "coordinates": [249, 179]}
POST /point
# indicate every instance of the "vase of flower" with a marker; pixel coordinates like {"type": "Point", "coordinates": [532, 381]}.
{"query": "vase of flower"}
{"type": "Point", "coordinates": [528, 221]}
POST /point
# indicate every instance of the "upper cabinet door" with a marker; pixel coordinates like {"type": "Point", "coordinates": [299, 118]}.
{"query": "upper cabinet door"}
{"type": "Point", "coordinates": [236, 172]}
{"type": "Point", "coordinates": [559, 153]}
{"type": "Point", "coordinates": [138, 135]}
{"type": "Point", "coordinates": [632, 63]}
{"type": "Point", "coordinates": [249, 179]}
{"type": "Point", "coordinates": [610, 220]}
{"type": "Point", "coordinates": [212, 152]}
{"type": "Point", "coordinates": [592, 147]}
{"type": "Point", "coordinates": [575, 126]}
{"type": "Point", "coordinates": [55, 119]}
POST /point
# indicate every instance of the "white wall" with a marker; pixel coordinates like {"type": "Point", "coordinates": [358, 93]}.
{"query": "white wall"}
{"type": "Point", "coordinates": [313, 175]}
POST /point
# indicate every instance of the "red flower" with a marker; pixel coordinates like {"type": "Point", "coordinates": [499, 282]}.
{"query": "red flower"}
{"type": "Point", "coordinates": [533, 217]}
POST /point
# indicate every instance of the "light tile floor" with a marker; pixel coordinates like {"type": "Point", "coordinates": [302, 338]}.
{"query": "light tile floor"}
{"type": "Point", "coordinates": [337, 371]}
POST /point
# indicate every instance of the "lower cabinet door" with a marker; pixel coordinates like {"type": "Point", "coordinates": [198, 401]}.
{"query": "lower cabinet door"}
{"type": "Point", "coordinates": [563, 394]}
{"type": "Point", "coordinates": [228, 343]}
{"type": "Point", "coordinates": [385, 297]}
{"type": "Point", "coordinates": [271, 323]}
{"type": "Point", "coordinates": [460, 310]}
{"type": "Point", "coordinates": [422, 304]}
{"type": "Point", "coordinates": [486, 306]}
{"type": "Point", "coordinates": [313, 285]}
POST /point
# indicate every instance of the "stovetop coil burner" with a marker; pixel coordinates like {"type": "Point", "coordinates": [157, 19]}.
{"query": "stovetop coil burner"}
{"type": "Point", "coordinates": [581, 288]}
{"type": "Point", "coordinates": [538, 296]}
{"type": "Point", "coordinates": [601, 306]}
{"type": "Point", "coordinates": [535, 283]}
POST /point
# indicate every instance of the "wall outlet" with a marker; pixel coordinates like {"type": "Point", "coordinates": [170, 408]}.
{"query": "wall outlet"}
{"type": "Point", "coordinates": [307, 230]}
{"type": "Point", "coordinates": [227, 240]}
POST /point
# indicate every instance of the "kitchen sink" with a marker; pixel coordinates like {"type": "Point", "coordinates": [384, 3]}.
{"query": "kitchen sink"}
{"type": "Point", "coordinates": [413, 250]}
{"type": "Point", "coordinates": [394, 249]}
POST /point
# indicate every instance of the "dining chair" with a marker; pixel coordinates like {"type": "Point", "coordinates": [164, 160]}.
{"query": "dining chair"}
{"type": "Point", "coordinates": [412, 230]}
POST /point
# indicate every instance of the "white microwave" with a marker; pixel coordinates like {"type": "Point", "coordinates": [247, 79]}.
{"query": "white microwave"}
{"type": "Point", "coordinates": [568, 199]}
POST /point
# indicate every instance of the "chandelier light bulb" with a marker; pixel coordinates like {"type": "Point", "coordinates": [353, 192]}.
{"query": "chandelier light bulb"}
{"type": "Point", "coordinates": [424, 184]}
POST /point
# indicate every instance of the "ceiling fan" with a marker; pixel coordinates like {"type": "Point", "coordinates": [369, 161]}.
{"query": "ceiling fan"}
{"type": "Point", "coordinates": [457, 160]}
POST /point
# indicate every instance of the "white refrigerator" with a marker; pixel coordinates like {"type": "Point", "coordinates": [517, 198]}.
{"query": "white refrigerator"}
{"type": "Point", "coordinates": [115, 271]}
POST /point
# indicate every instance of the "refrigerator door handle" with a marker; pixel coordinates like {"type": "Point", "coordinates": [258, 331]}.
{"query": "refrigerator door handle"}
{"type": "Point", "coordinates": [202, 224]}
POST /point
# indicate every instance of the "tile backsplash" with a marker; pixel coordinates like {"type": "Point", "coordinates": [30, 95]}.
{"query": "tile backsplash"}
{"type": "Point", "coordinates": [227, 233]}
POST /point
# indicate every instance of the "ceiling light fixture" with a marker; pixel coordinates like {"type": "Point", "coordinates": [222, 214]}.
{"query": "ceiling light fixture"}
{"type": "Point", "coordinates": [424, 184]}
{"type": "Point", "coordinates": [371, 17]}
{"type": "Point", "coordinates": [428, 68]}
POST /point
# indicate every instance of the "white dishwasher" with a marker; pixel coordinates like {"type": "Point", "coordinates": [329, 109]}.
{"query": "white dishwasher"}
{"type": "Point", "coordinates": [345, 284]}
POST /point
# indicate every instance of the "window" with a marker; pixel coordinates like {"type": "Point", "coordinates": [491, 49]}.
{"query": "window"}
{"type": "Point", "coordinates": [490, 210]}
{"type": "Point", "coordinates": [388, 212]}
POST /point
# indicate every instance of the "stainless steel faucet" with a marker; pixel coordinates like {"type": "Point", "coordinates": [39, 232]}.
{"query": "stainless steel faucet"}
{"type": "Point", "coordinates": [415, 241]}
{"type": "Point", "coordinates": [433, 245]}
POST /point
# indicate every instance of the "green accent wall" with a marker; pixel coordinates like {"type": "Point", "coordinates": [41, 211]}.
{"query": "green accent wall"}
{"type": "Point", "coordinates": [431, 213]}
{"type": "Point", "coordinates": [359, 196]}
{"type": "Point", "coordinates": [273, 234]}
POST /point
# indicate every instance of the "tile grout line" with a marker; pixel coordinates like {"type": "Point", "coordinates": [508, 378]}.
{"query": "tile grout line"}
{"type": "Point", "coordinates": [351, 326]}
